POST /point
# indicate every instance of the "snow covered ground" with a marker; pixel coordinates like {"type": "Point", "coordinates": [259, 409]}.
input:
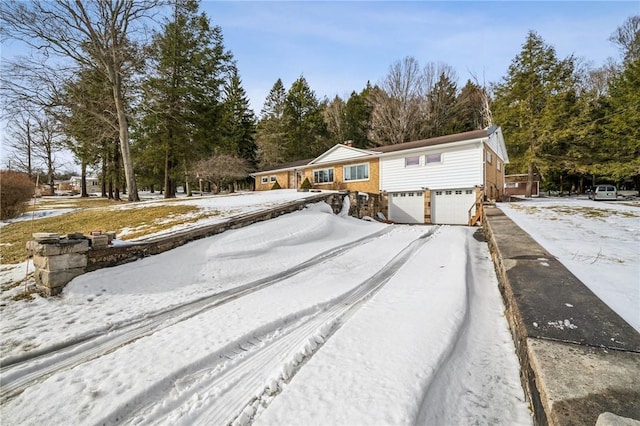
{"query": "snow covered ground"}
{"type": "Point", "coordinates": [310, 318]}
{"type": "Point", "coordinates": [599, 242]}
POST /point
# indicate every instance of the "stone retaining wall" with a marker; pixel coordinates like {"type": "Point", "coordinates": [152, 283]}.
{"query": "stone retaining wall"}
{"type": "Point", "coordinates": [59, 259]}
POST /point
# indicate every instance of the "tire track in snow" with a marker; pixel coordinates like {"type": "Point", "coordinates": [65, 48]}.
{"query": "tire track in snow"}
{"type": "Point", "coordinates": [233, 387]}
{"type": "Point", "coordinates": [431, 400]}
{"type": "Point", "coordinates": [19, 373]}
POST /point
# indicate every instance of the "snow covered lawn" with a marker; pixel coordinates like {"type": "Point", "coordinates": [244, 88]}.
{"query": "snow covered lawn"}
{"type": "Point", "coordinates": [599, 242]}
{"type": "Point", "coordinates": [310, 318]}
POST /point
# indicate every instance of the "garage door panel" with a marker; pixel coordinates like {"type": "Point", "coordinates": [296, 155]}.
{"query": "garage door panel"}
{"type": "Point", "coordinates": [451, 206]}
{"type": "Point", "coordinates": [406, 207]}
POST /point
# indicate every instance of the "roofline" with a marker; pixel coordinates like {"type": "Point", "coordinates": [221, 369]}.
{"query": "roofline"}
{"type": "Point", "coordinates": [472, 136]}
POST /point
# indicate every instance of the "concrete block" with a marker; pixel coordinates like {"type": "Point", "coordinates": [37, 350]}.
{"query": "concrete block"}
{"type": "Point", "coordinates": [46, 237]}
{"type": "Point", "coordinates": [53, 282]}
{"type": "Point", "coordinates": [55, 249]}
{"type": "Point", "coordinates": [578, 383]}
{"type": "Point", "coordinates": [610, 419]}
{"type": "Point", "coordinates": [60, 262]}
{"type": "Point", "coordinates": [99, 241]}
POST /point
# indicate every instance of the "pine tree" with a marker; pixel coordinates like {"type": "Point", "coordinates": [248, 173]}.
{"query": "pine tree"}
{"type": "Point", "coordinates": [442, 107]}
{"type": "Point", "coordinates": [270, 131]}
{"type": "Point", "coordinates": [358, 118]}
{"type": "Point", "coordinates": [305, 130]}
{"type": "Point", "coordinates": [533, 104]}
{"type": "Point", "coordinates": [239, 122]}
{"type": "Point", "coordinates": [469, 108]}
{"type": "Point", "coordinates": [622, 125]}
{"type": "Point", "coordinates": [183, 98]}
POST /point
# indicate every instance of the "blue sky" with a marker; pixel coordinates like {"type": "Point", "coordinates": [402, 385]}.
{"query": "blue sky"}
{"type": "Point", "coordinates": [340, 45]}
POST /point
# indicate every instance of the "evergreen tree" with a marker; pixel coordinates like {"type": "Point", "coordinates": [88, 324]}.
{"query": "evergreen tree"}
{"type": "Point", "coordinates": [270, 131]}
{"type": "Point", "coordinates": [239, 122]}
{"type": "Point", "coordinates": [441, 101]}
{"type": "Point", "coordinates": [622, 125]}
{"type": "Point", "coordinates": [534, 104]}
{"type": "Point", "coordinates": [88, 120]}
{"type": "Point", "coordinates": [305, 130]}
{"type": "Point", "coordinates": [469, 107]}
{"type": "Point", "coordinates": [358, 118]}
{"type": "Point", "coordinates": [183, 98]}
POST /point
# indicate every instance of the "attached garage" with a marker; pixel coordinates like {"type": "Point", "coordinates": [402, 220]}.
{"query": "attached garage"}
{"type": "Point", "coordinates": [406, 207]}
{"type": "Point", "coordinates": [451, 206]}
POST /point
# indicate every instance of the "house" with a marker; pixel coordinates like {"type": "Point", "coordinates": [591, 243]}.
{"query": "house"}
{"type": "Point", "coordinates": [437, 180]}
{"type": "Point", "coordinates": [93, 184]}
{"type": "Point", "coordinates": [517, 184]}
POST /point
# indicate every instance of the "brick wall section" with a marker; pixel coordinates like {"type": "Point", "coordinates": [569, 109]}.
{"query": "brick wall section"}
{"type": "Point", "coordinates": [371, 185]}
{"type": "Point", "coordinates": [281, 177]}
{"type": "Point", "coordinates": [494, 178]}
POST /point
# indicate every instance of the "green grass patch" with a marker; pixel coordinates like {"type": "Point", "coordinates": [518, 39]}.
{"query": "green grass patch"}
{"type": "Point", "coordinates": [143, 219]}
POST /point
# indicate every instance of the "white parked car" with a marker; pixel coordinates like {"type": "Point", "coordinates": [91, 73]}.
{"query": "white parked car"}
{"type": "Point", "coordinates": [604, 192]}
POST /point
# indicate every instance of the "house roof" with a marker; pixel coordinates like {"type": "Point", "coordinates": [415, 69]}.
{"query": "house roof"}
{"type": "Point", "coordinates": [440, 140]}
{"type": "Point", "coordinates": [284, 166]}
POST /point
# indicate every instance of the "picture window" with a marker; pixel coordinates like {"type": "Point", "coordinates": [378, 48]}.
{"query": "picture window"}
{"type": "Point", "coordinates": [356, 172]}
{"type": "Point", "coordinates": [323, 176]}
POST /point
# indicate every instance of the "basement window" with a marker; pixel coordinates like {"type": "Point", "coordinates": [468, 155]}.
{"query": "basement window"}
{"type": "Point", "coordinates": [272, 178]}
{"type": "Point", "coordinates": [264, 180]}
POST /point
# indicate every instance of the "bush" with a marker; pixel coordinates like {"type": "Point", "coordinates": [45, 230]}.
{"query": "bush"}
{"type": "Point", "coordinates": [15, 190]}
{"type": "Point", "coordinates": [305, 184]}
{"type": "Point", "coordinates": [276, 186]}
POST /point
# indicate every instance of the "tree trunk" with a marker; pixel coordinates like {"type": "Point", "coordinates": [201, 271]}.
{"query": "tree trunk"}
{"type": "Point", "coordinates": [527, 191]}
{"type": "Point", "coordinates": [123, 131]}
{"type": "Point", "coordinates": [169, 190]}
{"type": "Point", "coordinates": [83, 180]}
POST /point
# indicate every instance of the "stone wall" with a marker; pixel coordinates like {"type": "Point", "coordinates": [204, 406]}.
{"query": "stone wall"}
{"type": "Point", "coordinates": [59, 259]}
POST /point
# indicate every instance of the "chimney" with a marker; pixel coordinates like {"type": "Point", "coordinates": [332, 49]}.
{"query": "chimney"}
{"type": "Point", "coordinates": [348, 143]}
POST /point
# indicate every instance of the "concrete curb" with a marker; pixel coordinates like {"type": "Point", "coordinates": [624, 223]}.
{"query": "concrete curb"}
{"type": "Point", "coordinates": [578, 358]}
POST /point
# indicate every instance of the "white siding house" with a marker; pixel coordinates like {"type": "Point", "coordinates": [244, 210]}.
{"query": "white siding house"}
{"type": "Point", "coordinates": [437, 180]}
{"type": "Point", "coordinates": [459, 167]}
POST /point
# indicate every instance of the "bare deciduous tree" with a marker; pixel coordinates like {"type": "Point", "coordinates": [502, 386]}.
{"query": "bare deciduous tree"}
{"type": "Point", "coordinates": [396, 115]}
{"type": "Point", "coordinates": [95, 34]}
{"type": "Point", "coordinates": [334, 117]}
{"type": "Point", "coordinates": [221, 170]}
{"type": "Point", "coordinates": [36, 139]}
{"type": "Point", "coordinates": [627, 37]}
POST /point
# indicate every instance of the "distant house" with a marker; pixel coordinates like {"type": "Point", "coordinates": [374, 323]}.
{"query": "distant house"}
{"type": "Point", "coordinates": [517, 185]}
{"type": "Point", "coordinates": [437, 180]}
{"type": "Point", "coordinates": [93, 184]}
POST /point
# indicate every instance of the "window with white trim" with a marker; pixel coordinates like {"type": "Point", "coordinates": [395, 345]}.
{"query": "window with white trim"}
{"type": "Point", "coordinates": [412, 161]}
{"type": "Point", "coordinates": [323, 176]}
{"type": "Point", "coordinates": [264, 180]}
{"type": "Point", "coordinates": [489, 157]}
{"type": "Point", "coordinates": [433, 158]}
{"type": "Point", "coordinates": [356, 172]}
{"type": "Point", "coordinates": [272, 178]}
{"type": "Point", "coordinates": [499, 165]}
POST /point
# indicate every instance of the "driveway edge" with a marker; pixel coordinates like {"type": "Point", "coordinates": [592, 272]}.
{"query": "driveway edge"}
{"type": "Point", "coordinates": [578, 358]}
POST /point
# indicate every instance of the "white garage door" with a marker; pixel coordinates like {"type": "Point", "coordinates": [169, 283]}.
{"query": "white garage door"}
{"type": "Point", "coordinates": [451, 206]}
{"type": "Point", "coordinates": [406, 207]}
